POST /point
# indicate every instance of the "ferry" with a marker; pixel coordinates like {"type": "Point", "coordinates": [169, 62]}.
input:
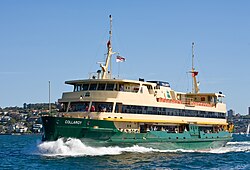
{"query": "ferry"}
{"type": "Point", "coordinates": [108, 110]}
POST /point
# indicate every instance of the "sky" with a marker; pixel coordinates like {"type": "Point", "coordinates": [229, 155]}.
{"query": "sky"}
{"type": "Point", "coordinates": [42, 41]}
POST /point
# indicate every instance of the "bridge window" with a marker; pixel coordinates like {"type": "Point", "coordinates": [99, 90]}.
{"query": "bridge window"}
{"type": "Point", "coordinates": [85, 87]}
{"type": "Point", "coordinates": [77, 87]}
{"type": "Point", "coordinates": [110, 86]}
{"type": "Point", "coordinates": [101, 86]}
{"type": "Point", "coordinates": [93, 86]}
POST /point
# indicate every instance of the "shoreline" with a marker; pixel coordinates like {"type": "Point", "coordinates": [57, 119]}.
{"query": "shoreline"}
{"type": "Point", "coordinates": [17, 134]}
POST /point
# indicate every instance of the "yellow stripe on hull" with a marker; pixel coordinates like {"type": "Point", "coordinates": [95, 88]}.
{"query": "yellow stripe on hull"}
{"type": "Point", "coordinates": [163, 121]}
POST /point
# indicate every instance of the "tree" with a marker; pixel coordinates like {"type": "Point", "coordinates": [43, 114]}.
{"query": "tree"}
{"type": "Point", "coordinates": [12, 121]}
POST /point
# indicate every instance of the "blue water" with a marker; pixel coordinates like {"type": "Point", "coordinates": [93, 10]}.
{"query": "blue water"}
{"type": "Point", "coordinates": [27, 152]}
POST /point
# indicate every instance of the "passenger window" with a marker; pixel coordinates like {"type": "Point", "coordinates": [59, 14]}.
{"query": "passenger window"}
{"type": "Point", "coordinates": [102, 107]}
{"type": "Point", "coordinates": [63, 107]}
{"type": "Point", "coordinates": [78, 107]}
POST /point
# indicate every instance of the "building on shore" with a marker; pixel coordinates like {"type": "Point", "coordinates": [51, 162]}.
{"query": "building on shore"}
{"type": "Point", "coordinates": [230, 113]}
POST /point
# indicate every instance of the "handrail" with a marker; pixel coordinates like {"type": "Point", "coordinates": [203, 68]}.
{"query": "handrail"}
{"type": "Point", "coordinates": [185, 101]}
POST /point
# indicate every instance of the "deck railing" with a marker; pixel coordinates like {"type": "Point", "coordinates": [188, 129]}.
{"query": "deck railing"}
{"type": "Point", "coordinates": [186, 101]}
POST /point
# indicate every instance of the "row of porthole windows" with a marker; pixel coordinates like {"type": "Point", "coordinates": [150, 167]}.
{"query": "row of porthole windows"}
{"type": "Point", "coordinates": [170, 138]}
{"type": "Point", "coordinates": [145, 138]}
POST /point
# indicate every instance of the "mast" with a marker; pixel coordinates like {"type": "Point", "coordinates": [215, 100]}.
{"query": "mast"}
{"type": "Point", "coordinates": [194, 74]}
{"type": "Point", "coordinates": [49, 100]}
{"type": "Point", "coordinates": [109, 54]}
{"type": "Point", "coordinates": [110, 40]}
{"type": "Point", "coordinates": [192, 55]}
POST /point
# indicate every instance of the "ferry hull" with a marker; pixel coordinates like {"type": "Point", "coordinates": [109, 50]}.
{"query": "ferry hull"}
{"type": "Point", "coordinates": [101, 132]}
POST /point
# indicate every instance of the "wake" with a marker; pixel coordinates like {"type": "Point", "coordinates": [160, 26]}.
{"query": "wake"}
{"type": "Point", "coordinates": [233, 147]}
{"type": "Point", "coordinates": [76, 148]}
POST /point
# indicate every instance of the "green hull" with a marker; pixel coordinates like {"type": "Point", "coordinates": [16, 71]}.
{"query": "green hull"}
{"type": "Point", "coordinates": [105, 133]}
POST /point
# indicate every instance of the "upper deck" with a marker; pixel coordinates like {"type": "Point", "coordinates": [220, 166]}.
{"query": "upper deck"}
{"type": "Point", "coordinates": [141, 93]}
{"type": "Point", "coordinates": [108, 85]}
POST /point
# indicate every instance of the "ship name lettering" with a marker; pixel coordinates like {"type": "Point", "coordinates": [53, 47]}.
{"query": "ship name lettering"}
{"type": "Point", "coordinates": [73, 122]}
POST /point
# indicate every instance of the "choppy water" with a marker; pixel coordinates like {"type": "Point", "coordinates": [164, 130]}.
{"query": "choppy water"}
{"type": "Point", "coordinates": [27, 152]}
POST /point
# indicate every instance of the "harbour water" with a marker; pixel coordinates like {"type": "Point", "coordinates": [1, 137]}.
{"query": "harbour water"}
{"type": "Point", "coordinates": [28, 152]}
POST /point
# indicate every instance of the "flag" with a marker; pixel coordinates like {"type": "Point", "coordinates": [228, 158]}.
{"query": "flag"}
{"type": "Point", "coordinates": [120, 59]}
{"type": "Point", "coordinates": [195, 73]}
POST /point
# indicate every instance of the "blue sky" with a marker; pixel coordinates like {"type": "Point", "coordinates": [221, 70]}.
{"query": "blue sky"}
{"type": "Point", "coordinates": [63, 40]}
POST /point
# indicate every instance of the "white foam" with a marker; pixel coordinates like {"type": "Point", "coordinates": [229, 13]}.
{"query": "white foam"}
{"type": "Point", "coordinates": [243, 146]}
{"type": "Point", "coordinates": [74, 147]}
{"type": "Point", "coordinates": [239, 143]}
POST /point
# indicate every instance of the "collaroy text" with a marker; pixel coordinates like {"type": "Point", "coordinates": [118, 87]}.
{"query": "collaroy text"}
{"type": "Point", "coordinates": [75, 122]}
